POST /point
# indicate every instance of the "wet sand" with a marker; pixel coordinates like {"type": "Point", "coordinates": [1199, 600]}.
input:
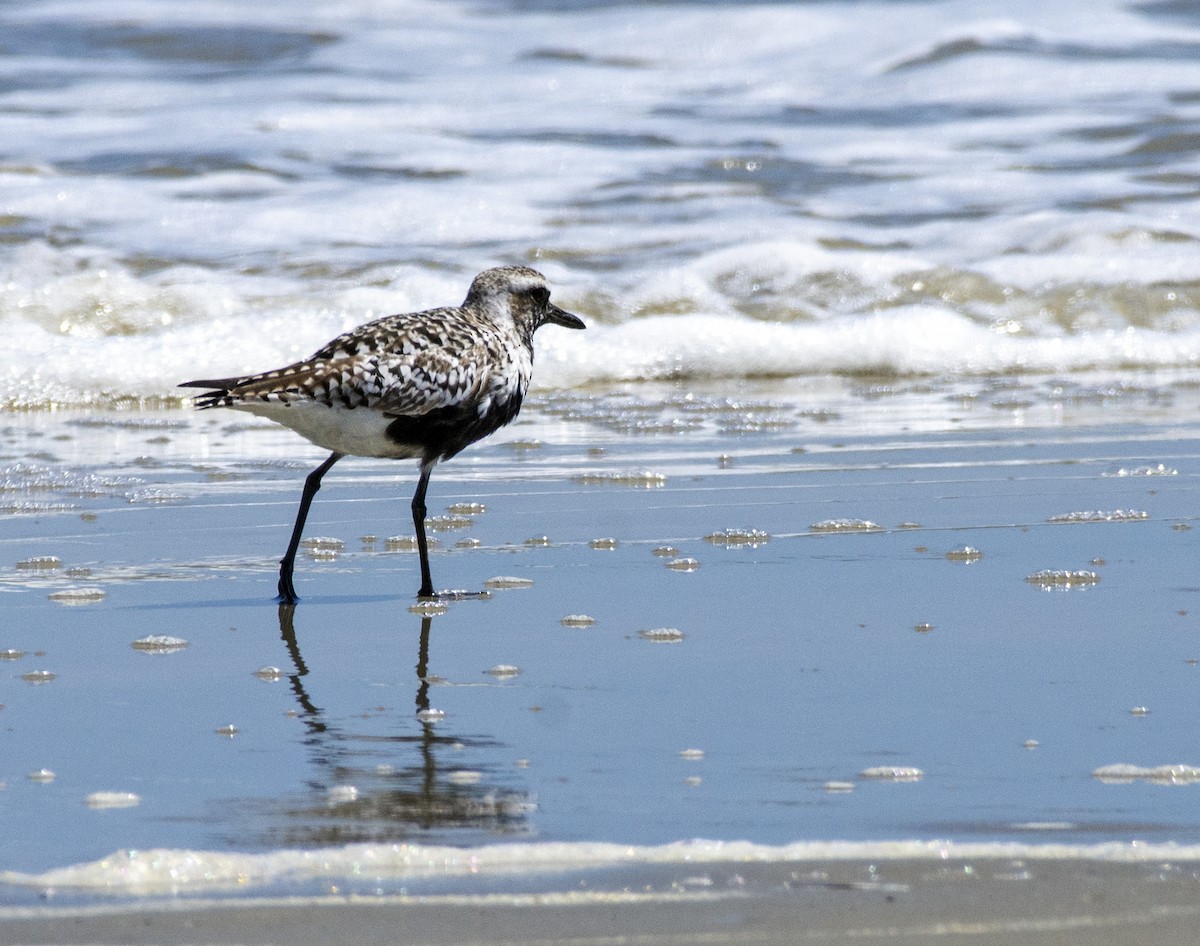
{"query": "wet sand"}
{"type": "Point", "coordinates": [862, 596]}
{"type": "Point", "coordinates": [1052, 903]}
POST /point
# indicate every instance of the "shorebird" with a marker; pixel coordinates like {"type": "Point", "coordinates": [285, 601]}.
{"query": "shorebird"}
{"type": "Point", "coordinates": [422, 385]}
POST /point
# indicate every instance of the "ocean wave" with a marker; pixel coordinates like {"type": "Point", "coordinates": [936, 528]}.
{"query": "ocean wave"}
{"type": "Point", "coordinates": [163, 871]}
{"type": "Point", "coordinates": [105, 335]}
{"type": "Point", "coordinates": [44, 370]}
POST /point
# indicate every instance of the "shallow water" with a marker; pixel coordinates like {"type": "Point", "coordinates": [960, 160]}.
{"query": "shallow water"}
{"type": "Point", "coordinates": [877, 456]}
{"type": "Point", "coordinates": [803, 661]}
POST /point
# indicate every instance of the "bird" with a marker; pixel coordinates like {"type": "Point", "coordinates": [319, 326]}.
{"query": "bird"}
{"type": "Point", "coordinates": [420, 385]}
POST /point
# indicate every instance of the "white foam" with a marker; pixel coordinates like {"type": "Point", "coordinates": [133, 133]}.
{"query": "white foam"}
{"type": "Point", "coordinates": [94, 363]}
{"type": "Point", "coordinates": [911, 340]}
{"type": "Point", "coordinates": [874, 198]}
{"type": "Point", "coordinates": [159, 871]}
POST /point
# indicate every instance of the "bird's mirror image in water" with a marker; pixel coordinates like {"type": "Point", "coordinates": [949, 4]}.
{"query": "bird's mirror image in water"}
{"type": "Point", "coordinates": [383, 788]}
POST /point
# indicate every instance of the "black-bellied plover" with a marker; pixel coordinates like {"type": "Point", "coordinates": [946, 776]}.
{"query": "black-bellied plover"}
{"type": "Point", "coordinates": [422, 385]}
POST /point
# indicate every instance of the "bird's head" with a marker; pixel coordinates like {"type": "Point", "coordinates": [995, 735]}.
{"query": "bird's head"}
{"type": "Point", "coordinates": [523, 294]}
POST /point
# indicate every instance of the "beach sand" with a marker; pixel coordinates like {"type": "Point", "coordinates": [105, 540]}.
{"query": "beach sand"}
{"type": "Point", "coordinates": [977, 902]}
{"type": "Point", "coordinates": [794, 586]}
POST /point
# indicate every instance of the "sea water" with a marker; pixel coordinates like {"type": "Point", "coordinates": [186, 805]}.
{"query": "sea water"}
{"type": "Point", "coordinates": [721, 189]}
{"type": "Point", "coordinates": [950, 196]}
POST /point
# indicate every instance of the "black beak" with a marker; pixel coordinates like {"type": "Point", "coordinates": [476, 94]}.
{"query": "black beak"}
{"type": "Point", "coordinates": [565, 319]}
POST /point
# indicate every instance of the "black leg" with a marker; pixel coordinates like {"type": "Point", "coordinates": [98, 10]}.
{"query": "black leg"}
{"type": "Point", "coordinates": [287, 593]}
{"type": "Point", "coordinates": [418, 511]}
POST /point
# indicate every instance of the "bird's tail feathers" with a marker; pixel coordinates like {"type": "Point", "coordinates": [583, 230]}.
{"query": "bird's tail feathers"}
{"type": "Point", "coordinates": [219, 396]}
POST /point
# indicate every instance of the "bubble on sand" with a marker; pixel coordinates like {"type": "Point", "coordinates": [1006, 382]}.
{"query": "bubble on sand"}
{"type": "Point", "coordinates": [429, 608]}
{"type": "Point", "coordinates": [464, 777]}
{"type": "Point", "coordinates": [229, 730]}
{"type": "Point", "coordinates": [1157, 469]}
{"type": "Point", "coordinates": [1139, 711]}
{"type": "Point", "coordinates": [821, 415]}
{"type": "Point", "coordinates": [503, 671]}
{"type": "Point", "coordinates": [462, 594]}
{"type": "Point", "coordinates": [1030, 744]}
{"type": "Point", "coordinates": [39, 676]}
{"type": "Point", "coordinates": [341, 794]}
{"type": "Point", "coordinates": [922, 628]}
{"type": "Point", "coordinates": [447, 523]}
{"type": "Point", "coordinates": [43, 776]}
{"type": "Point", "coordinates": [965, 553]}
{"type": "Point", "coordinates": [466, 509]}
{"type": "Point", "coordinates": [845, 525]}
{"type": "Point", "coordinates": [732, 537]}
{"type": "Point", "coordinates": [892, 773]}
{"type": "Point", "coordinates": [662, 635]}
{"type": "Point", "coordinates": [1100, 515]}
{"type": "Point", "coordinates": [638, 479]}
{"type": "Point", "coordinates": [604, 544]}
{"type": "Point", "coordinates": [319, 543]}
{"type": "Point", "coordinates": [431, 715]}
{"type": "Point", "coordinates": [159, 644]}
{"type": "Point", "coordinates": [112, 800]}
{"type": "Point", "coordinates": [577, 620]}
{"type": "Point", "coordinates": [836, 787]}
{"type": "Point", "coordinates": [268, 673]}
{"type": "Point", "coordinates": [691, 754]}
{"type": "Point", "coordinates": [1122, 773]}
{"type": "Point", "coordinates": [40, 563]}
{"type": "Point", "coordinates": [1058, 578]}
{"type": "Point", "coordinates": [508, 581]}
{"type": "Point", "coordinates": [683, 564]}
{"type": "Point", "coordinates": [693, 780]}
{"type": "Point", "coordinates": [154, 495]}
{"type": "Point", "coordinates": [32, 508]}
{"type": "Point", "coordinates": [78, 595]}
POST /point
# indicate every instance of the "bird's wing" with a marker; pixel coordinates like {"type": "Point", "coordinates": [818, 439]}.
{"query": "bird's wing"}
{"type": "Point", "coordinates": [397, 365]}
{"type": "Point", "coordinates": [413, 364]}
{"type": "Point", "coordinates": [428, 379]}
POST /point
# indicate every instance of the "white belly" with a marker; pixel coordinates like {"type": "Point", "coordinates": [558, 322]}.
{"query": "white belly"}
{"type": "Point", "coordinates": [359, 432]}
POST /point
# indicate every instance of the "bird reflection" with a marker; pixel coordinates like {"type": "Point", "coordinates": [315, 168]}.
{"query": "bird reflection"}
{"type": "Point", "coordinates": [287, 630]}
{"type": "Point", "coordinates": [421, 792]}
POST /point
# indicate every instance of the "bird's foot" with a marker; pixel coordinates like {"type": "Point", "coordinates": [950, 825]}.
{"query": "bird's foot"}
{"type": "Point", "coordinates": [286, 592]}
{"type": "Point", "coordinates": [452, 594]}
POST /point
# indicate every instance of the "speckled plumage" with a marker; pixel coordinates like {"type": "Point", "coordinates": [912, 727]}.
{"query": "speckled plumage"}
{"type": "Point", "coordinates": [422, 384]}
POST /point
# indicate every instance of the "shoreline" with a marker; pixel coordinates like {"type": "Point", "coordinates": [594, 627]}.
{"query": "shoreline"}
{"type": "Point", "coordinates": [955, 901]}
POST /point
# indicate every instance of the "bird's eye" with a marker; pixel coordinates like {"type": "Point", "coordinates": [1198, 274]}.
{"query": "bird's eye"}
{"type": "Point", "coordinates": [540, 295]}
